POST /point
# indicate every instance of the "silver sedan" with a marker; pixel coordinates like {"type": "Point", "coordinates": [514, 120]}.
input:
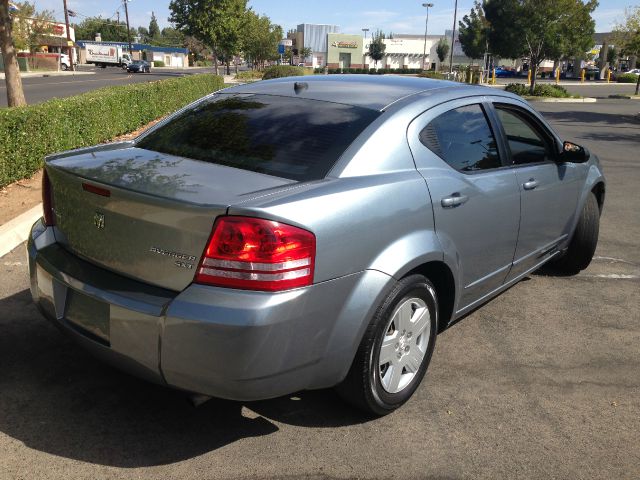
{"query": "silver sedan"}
{"type": "Point", "coordinates": [308, 232]}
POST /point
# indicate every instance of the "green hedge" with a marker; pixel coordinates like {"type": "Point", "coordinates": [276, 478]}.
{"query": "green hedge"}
{"type": "Point", "coordinates": [249, 75]}
{"type": "Point", "coordinates": [432, 74]}
{"type": "Point", "coordinates": [158, 63]}
{"type": "Point", "coordinates": [370, 71]}
{"type": "Point", "coordinates": [278, 71]}
{"type": "Point", "coordinates": [627, 78]}
{"type": "Point", "coordinates": [540, 90]}
{"type": "Point", "coordinates": [29, 133]}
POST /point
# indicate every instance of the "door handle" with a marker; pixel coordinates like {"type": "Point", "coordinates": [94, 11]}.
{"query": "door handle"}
{"type": "Point", "coordinates": [530, 185]}
{"type": "Point", "coordinates": [454, 200]}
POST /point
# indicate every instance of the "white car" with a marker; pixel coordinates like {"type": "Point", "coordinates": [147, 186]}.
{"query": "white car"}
{"type": "Point", "coordinates": [635, 71]}
{"type": "Point", "coordinates": [65, 62]}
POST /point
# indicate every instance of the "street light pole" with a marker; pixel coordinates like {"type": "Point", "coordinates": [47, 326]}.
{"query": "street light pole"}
{"type": "Point", "coordinates": [453, 37]}
{"type": "Point", "coordinates": [426, 25]}
{"type": "Point", "coordinates": [126, 14]}
{"type": "Point", "coordinates": [69, 47]}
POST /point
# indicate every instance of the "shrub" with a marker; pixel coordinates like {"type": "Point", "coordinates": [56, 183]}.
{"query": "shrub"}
{"type": "Point", "coordinates": [430, 74]}
{"type": "Point", "coordinates": [279, 71]}
{"type": "Point", "coordinates": [249, 75]}
{"type": "Point", "coordinates": [158, 63]}
{"type": "Point", "coordinates": [540, 90]}
{"type": "Point", "coordinates": [29, 133]}
{"type": "Point", "coordinates": [627, 78]}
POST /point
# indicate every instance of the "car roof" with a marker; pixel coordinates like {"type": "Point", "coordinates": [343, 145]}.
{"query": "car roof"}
{"type": "Point", "coordinates": [376, 92]}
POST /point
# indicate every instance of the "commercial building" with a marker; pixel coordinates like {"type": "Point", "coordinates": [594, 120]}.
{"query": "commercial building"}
{"type": "Point", "coordinates": [405, 51]}
{"type": "Point", "coordinates": [344, 51]}
{"type": "Point", "coordinates": [171, 56]}
{"type": "Point", "coordinates": [314, 37]}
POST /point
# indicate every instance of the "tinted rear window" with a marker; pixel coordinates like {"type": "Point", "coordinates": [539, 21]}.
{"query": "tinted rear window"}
{"type": "Point", "coordinates": [286, 137]}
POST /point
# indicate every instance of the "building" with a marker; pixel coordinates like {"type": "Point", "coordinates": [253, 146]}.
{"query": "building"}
{"type": "Point", "coordinates": [405, 51]}
{"type": "Point", "coordinates": [401, 52]}
{"type": "Point", "coordinates": [314, 37]}
{"type": "Point", "coordinates": [43, 50]}
{"type": "Point", "coordinates": [345, 51]}
{"type": "Point", "coordinates": [171, 56]}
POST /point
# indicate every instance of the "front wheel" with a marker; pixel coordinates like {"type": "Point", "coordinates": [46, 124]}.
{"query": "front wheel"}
{"type": "Point", "coordinates": [396, 348]}
{"type": "Point", "coordinates": [584, 241]}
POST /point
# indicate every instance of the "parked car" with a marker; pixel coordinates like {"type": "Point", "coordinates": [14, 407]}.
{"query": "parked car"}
{"type": "Point", "coordinates": [592, 73]}
{"type": "Point", "coordinates": [65, 62]}
{"type": "Point", "coordinates": [139, 66]}
{"type": "Point", "coordinates": [504, 73]}
{"type": "Point", "coordinates": [634, 71]}
{"type": "Point", "coordinates": [219, 253]}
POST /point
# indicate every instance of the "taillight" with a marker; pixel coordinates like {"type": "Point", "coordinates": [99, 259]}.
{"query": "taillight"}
{"type": "Point", "coordinates": [47, 200]}
{"type": "Point", "coordinates": [257, 254]}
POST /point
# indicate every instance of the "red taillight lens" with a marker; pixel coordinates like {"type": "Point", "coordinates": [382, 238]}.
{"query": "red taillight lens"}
{"type": "Point", "coordinates": [257, 254]}
{"type": "Point", "coordinates": [47, 200]}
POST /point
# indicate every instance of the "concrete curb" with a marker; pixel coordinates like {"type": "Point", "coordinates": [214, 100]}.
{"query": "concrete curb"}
{"type": "Point", "coordinates": [16, 231]}
{"type": "Point", "coordinates": [561, 100]}
{"type": "Point", "coordinates": [49, 74]}
{"type": "Point", "coordinates": [625, 97]}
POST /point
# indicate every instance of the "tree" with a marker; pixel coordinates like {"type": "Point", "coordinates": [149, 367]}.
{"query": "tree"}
{"type": "Point", "coordinates": [540, 29]}
{"type": "Point", "coordinates": [172, 37]}
{"type": "Point", "coordinates": [627, 37]}
{"type": "Point", "coordinates": [154, 29]}
{"type": "Point", "coordinates": [15, 94]}
{"type": "Point", "coordinates": [473, 32]}
{"type": "Point", "coordinates": [305, 52]}
{"type": "Point", "coordinates": [442, 49]}
{"type": "Point", "coordinates": [143, 33]}
{"type": "Point", "coordinates": [261, 38]}
{"type": "Point", "coordinates": [110, 31]}
{"type": "Point", "coordinates": [377, 47]}
{"type": "Point", "coordinates": [197, 48]}
{"type": "Point", "coordinates": [29, 26]}
{"type": "Point", "coordinates": [217, 23]}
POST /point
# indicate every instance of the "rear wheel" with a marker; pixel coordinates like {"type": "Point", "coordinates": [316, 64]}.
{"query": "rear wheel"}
{"type": "Point", "coordinates": [584, 241]}
{"type": "Point", "coordinates": [396, 349]}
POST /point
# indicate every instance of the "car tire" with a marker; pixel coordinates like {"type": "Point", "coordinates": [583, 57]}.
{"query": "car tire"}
{"type": "Point", "coordinates": [64, 67]}
{"type": "Point", "coordinates": [583, 242]}
{"type": "Point", "coordinates": [371, 385]}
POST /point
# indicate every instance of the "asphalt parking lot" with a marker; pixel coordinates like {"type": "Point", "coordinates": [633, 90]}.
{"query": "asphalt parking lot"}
{"type": "Point", "coordinates": [542, 382]}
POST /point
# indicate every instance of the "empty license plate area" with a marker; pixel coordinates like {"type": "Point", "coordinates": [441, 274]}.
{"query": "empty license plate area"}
{"type": "Point", "coordinates": [87, 315]}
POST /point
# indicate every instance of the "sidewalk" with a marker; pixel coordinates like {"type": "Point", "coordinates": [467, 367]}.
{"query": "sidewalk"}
{"type": "Point", "coordinates": [49, 74]}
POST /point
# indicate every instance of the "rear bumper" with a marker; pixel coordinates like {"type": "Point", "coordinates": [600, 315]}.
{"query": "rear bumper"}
{"type": "Point", "coordinates": [226, 343]}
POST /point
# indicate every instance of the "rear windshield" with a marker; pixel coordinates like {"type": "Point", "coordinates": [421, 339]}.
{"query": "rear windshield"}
{"type": "Point", "coordinates": [286, 137]}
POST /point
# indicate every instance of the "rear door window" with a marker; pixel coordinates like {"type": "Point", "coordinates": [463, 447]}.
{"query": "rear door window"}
{"type": "Point", "coordinates": [463, 138]}
{"type": "Point", "coordinates": [293, 138]}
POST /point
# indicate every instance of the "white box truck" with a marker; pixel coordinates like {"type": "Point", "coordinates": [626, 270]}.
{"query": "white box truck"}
{"type": "Point", "coordinates": [103, 55]}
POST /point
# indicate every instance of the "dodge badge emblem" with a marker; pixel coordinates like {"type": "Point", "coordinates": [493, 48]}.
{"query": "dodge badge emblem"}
{"type": "Point", "coordinates": [98, 220]}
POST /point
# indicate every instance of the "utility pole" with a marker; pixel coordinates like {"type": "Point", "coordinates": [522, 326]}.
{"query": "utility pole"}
{"type": "Point", "coordinates": [126, 14]}
{"type": "Point", "coordinates": [118, 17]}
{"type": "Point", "coordinates": [453, 37]}
{"type": "Point", "coordinates": [426, 25]}
{"type": "Point", "coordinates": [69, 43]}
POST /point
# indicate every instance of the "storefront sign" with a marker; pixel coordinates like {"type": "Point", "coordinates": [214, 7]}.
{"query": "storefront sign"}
{"type": "Point", "coordinates": [345, 44]}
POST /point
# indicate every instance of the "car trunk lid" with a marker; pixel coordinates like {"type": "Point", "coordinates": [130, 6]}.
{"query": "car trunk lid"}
{"type": "Point", "coordinates": [144, 214]}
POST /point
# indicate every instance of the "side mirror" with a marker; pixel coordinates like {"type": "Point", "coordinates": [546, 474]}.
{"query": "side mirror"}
{"type": "Point", "coordinates": [573, 153]}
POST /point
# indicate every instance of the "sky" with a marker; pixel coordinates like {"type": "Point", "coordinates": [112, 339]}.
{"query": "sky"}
{"type": "Point", "coordinates": [399, 16]}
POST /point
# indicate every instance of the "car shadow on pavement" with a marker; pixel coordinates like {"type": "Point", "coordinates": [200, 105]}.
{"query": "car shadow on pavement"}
{"type": "Point", "coordinates": [57, 399]}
